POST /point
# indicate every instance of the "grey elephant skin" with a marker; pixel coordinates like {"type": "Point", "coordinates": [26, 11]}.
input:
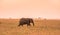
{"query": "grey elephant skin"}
{"type": "Point", "coordinates": [27, 21]}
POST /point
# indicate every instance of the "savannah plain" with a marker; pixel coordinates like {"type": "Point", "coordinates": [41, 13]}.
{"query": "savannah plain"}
{"type": "Point", "coordinates": [41, 27]}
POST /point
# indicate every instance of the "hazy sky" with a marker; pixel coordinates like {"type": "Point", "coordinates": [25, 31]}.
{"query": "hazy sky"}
{"type": "Point", "coordinates": [30, 8]}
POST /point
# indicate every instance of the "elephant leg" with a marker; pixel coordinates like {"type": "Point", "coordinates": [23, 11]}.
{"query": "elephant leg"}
{"type": "Point", "coordinates": [19, 25]}
{"type": "Point", "coordinates": [28, 25]}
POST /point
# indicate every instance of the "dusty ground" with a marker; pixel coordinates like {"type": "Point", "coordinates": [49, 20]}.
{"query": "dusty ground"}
{"type": "Point", "coordinates": [42, 27]}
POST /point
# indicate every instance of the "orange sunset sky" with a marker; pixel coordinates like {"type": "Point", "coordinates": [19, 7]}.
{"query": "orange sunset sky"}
{"type": "Point", "coordinates": [49, 9]}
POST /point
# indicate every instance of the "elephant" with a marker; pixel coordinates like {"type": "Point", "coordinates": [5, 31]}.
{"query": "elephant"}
{"type": "Point", "coordinates": [27, 21]}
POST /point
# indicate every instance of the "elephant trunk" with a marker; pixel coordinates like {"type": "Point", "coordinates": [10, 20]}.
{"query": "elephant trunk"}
{"type": "Point", "coordinates": [31, 20]}
{"type": "Point", "coordinates": [33, 23]}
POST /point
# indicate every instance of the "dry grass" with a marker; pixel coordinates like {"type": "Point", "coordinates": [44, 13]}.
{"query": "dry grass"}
{"type": "Point", "coordinates": [42, 27]}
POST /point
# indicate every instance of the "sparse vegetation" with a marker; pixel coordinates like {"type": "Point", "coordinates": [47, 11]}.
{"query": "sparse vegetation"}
{"type": "Point", "coordinates": [42, 27]}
